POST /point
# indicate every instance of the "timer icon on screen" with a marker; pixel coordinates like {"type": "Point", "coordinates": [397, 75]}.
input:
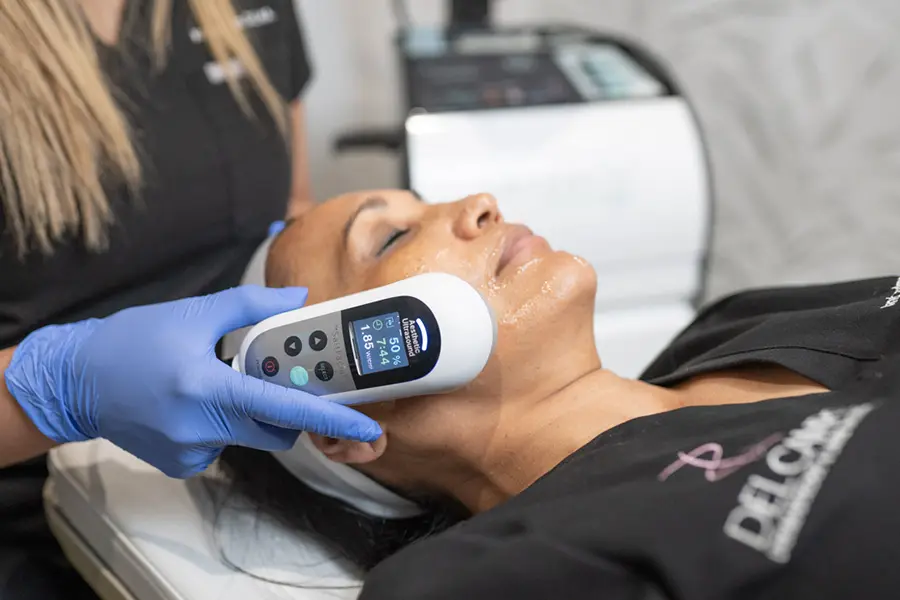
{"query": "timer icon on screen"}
{"type": "Point", "coordinates": [377, 324]}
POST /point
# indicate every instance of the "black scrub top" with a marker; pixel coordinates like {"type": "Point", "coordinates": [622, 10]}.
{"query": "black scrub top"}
{"type": "Point", "coordinates": [789, 499]}
{"type": "Point", "coordinates": [214, 181]}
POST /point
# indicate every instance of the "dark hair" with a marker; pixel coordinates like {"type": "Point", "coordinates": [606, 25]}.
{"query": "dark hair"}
{"type": "Point", "coordinates": [360, 538]}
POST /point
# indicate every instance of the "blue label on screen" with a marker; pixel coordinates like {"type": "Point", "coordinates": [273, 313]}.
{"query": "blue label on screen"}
{"type": "Point", "coordinates": [379, 343]}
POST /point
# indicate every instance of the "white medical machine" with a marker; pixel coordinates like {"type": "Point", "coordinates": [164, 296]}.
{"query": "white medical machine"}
{"type": "Point", "coordinates": [583, 138]}
{"type": "Point", "coordinates": [428, 334]}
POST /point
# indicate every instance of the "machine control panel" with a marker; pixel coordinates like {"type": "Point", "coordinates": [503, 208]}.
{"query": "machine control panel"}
{"type": "Point", "coordinates": [311, 355]}
{"type": "Point", "coordinates": [483, 82]}
{"type": "Point", "coordinates": [380, 343]}
{"type": "Point", "coordinates": [487, 71]}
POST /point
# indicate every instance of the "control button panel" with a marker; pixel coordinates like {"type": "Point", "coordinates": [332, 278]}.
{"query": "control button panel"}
{"type": "Point", "coordinates": [311, 355]}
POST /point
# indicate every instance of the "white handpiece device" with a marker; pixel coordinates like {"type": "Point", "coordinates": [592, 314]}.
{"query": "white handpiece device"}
{"type": "Point", "coordinates": [427, 334]}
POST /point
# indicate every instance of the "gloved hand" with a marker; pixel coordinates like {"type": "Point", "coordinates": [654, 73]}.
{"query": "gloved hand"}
{"type": "Point", "coordinates": [147, 379]}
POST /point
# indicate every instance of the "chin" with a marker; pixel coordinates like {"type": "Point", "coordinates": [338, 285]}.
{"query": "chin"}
{"type": "Point", "coordinates": [574, 276]}
{"type": "Point", "coordinates": [557, 286]}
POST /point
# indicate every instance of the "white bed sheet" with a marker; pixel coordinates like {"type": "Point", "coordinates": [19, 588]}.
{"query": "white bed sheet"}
{"type": "Point", "coordinates": [161, 538]}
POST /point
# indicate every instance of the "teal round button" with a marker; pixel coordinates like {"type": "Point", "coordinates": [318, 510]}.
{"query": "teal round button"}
{"type": "Point", "coordinates": [299, 376]}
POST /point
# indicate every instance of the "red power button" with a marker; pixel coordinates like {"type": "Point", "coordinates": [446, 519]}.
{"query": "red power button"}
{"type": "Point", "coordinates": [270, 366]}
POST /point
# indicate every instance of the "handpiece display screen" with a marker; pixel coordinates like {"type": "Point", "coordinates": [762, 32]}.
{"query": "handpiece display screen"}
{"type": "Point", "coordinates": [379, 343]}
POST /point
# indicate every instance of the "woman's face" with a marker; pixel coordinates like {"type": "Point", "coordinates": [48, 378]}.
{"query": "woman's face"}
{"type": "Point", "coordinates": [543, 300]}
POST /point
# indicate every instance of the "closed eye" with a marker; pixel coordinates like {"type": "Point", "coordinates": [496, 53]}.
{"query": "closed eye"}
{"type": "Point", "coordinates": [396, 235]}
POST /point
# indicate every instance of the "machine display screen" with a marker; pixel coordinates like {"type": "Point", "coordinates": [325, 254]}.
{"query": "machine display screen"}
{"type": "Point", "coordinates": [379, 343]}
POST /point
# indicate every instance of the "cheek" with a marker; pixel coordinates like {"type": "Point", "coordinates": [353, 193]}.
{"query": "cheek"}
{"type": "Point", "coordinates": [432, 256]}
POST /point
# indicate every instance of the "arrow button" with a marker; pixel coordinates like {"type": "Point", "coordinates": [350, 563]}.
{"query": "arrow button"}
{"type": "Point", "coordinates": [318, 340]}
{"type": "Point", "coordinates": [293, 346]}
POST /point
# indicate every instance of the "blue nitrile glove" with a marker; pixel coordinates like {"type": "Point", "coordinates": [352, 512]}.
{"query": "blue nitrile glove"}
{"type": "Point", "coordinates": [275, 228]}
{"type": "Point", "coordinates": [148, 380]}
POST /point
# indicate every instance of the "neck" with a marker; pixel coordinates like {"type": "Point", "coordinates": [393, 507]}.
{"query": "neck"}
{"type": "Point", "coordinates": [535, 436]}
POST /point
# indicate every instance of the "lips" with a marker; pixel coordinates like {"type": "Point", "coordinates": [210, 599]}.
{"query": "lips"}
{"type": "Point", "coordinates": [517, 240]}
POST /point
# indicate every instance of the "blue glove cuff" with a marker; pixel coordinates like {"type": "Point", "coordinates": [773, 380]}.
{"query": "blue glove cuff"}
{"type": "Point", "coordinates": [275, 228]}
{"type": "Point", "coordinates": [38, 378]}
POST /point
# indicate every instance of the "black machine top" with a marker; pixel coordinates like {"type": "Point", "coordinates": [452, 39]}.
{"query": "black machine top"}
{"type": "Point", "coordinates": [481, 69]}
{"type": "Point", "coordinates": [786, 498]}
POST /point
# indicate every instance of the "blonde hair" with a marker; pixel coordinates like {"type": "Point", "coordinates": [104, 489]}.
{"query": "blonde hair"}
{"type": "Point", "coordinates": [63, 137]}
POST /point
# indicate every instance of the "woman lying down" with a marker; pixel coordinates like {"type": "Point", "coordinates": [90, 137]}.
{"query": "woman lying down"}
{"type": "Point", "coordinates": [758, 457]}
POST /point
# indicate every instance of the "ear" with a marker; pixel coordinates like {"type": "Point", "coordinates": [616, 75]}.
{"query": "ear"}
{"type": "Point", "coordinates": [348, 452]}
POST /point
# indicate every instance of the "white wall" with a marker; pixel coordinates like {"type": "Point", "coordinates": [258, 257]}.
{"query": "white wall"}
{"type": "Point", "coordinates": [798, 99]}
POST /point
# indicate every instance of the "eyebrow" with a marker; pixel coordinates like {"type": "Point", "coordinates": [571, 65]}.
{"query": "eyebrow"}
{"type": "Point", "coordinates": [370, 204]}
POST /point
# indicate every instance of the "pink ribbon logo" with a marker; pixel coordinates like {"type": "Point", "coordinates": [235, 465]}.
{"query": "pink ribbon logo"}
{"type": "Point", "coordinates": [711, 458]}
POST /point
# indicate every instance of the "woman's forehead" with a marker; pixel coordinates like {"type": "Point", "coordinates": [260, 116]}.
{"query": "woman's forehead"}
{"type": "Point", "coordinates": [337, 211]}
{"type": "Point", "coordinates": [326, 219]}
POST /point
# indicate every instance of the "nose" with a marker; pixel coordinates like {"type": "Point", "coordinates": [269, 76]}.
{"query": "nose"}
{"type": "Point", "coordinates": [476, 215]}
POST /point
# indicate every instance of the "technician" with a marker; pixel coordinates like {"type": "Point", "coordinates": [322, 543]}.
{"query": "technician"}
{"type": "Point", "coordinates": [145, 148]}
